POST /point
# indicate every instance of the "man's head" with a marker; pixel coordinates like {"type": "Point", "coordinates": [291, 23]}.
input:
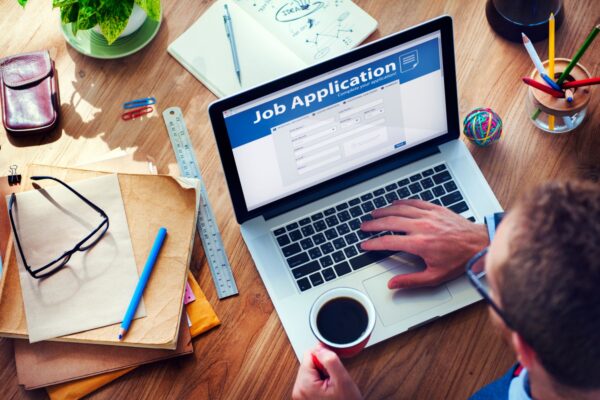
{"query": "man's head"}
{"type": "Point", "coordinates": [544, 271]}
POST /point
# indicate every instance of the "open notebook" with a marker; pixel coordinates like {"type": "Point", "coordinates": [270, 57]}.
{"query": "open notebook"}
{"type": "Point", "coordinates": [273, 38]}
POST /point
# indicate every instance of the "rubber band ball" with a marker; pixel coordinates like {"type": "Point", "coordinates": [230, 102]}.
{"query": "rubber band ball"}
{"type": "Point", "coordinates": [482, 126]}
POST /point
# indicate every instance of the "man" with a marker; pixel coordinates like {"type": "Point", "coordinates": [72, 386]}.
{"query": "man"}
{"type": "Point", "coordinates": [543, 272]}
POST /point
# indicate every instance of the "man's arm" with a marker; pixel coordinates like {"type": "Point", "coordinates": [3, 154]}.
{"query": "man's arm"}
{"type": "Point", "coordinates": [443, 239]}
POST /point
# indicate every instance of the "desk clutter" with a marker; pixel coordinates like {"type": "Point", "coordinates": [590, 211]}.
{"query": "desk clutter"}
{"type": "Point", "coordinates": [76, 358]}
{"type": "Point", "coordinates": [559, 102]}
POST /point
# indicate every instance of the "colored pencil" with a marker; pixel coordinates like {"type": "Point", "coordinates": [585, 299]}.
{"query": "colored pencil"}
{"type": "Point", "coordinates": [533, 54]}
{"type": "Point", "coordinates": [320, 368]}
{"type": "Point", "coordinates": [139, 289]}
{"type": "Point", "coordinates": [543, 88]}
{"type": "Point", "coordinates": [550, 82]}
{"type": "Point", "coordinates": [551, 29]}
{"type": "Point", "coordinates": [569, 95]}
{"type": "Point", "coordinates": [582, 82]}
{"type": "Point", "coordinates": [579, 54]}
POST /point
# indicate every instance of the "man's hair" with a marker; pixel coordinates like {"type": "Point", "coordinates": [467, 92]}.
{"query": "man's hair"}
{"type": "Point", "coordinates": [550, 285]}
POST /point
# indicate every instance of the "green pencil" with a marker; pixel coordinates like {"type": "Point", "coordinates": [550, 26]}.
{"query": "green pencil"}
{"type": "Point", "coordinates": [573, 62]}
{"type": "Point", "coordinates": [579, 54]}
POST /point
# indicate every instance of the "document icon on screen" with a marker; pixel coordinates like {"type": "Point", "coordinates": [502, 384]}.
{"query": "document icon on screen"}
{"type": "Point", "coordinates": [409, 60]}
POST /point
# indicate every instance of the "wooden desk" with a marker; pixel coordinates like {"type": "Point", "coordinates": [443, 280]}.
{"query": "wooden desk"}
{"type": "Point", "coordinates": [249, 356]}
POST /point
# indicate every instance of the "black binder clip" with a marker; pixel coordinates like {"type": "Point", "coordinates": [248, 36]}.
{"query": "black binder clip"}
{"type": "Point", "coordinates": [13, 177]}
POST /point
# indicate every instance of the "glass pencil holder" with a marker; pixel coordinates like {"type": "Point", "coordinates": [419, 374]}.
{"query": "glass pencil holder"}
{"type": "Point", "coordinates": [556, 114]}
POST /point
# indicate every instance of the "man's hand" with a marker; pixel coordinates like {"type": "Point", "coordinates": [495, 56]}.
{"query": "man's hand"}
{"type": "Point", "coordinates": [338, 386]}
{"type": "Point", "coordinates": [443, 239]}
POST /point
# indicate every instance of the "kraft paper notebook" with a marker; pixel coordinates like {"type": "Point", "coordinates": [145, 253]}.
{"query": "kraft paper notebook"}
{"type": "Point", "coordinates": [273, 38]}
{"type": "Point", "coordinates": [202, 317]}
{"type": "Point", "coordinates": [5, 246]}
{"type": "Point", "coordinates": [150, 202]}
{"type": "Point", "coordinates": [50, 363]}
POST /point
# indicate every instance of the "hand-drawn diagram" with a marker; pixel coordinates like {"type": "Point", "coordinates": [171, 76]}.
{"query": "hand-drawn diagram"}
{"type": "Point", "coordinates": [317, 27]}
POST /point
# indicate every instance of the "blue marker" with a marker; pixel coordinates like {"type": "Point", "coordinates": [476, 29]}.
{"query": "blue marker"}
{"type": "Point", "coordinates": [139, 289]}
{"type": "Point", "coordinates": [550, 82]}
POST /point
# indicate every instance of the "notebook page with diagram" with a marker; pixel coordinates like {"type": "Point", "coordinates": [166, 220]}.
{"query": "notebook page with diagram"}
{"type": "Point", "coordinates": [314, 30]}
{"type": "Point", "coordinates": [273, 38]}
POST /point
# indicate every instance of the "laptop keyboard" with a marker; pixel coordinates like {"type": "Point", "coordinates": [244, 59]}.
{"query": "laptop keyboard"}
{"type": "Point", "coordinates": [326, 245]}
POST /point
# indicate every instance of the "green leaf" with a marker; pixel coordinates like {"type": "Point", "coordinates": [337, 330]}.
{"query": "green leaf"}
{"type": "Point", "coordinates": [87, 17]}
{"type": "Point", "coordinates": [68, 14]}
{"type": "Point", "coordinates": [62, 3]}
{"type": "Point", "coordinates": [22, 2]}
{"type": "Point", "coordinates": [152, 8]}
{"type": "Point", "coordinates": [113, 16]}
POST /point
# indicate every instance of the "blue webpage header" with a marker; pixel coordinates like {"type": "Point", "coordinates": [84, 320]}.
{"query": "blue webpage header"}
{"type": "Point", "coordinates": [404, 66]}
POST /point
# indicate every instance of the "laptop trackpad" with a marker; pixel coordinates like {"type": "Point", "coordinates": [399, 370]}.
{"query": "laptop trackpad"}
{"type": "Point", "coordinates": [394, 306]}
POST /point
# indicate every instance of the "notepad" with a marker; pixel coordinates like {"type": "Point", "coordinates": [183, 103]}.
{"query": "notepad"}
{"type": "Point", "coordinates": [273, 38]}
{"type": "Point", "coordinates": [93, 288]}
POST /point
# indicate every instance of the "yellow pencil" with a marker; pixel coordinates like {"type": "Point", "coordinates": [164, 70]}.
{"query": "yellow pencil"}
{"type": "Point", "coordinates": [551, 62]}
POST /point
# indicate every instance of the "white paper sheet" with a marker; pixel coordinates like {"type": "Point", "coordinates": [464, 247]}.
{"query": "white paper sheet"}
{"type": "Point", "coordinates": [95, 287]}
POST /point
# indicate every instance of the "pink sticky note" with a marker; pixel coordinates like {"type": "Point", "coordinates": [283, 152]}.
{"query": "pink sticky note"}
{"type": "Point", "coordinates": [189, 295]}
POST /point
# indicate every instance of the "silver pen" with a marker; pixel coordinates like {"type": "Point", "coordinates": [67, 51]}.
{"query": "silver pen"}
{"type": "Point", "coordinates": [234, 54]}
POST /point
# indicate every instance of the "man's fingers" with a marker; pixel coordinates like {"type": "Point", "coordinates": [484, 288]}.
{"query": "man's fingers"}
{"type": "Point", "coordinates": [394, 224]}
{"type": "Point", "coordinates": [307, 368]}
{"type": "Point", "coordinates": [423, 205]}
{"type": "Point", "coordinates": [415, 280]}
{"type": "Point", "coordinates": [331, 362]}
{"type": "Point", "coordinates": [400, 210]}
{"type": "Point", "coordinates": [409, 244]}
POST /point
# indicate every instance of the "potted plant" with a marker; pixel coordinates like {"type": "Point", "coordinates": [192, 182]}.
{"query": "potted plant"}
{"type": "Point", "coordinates": [110, 16]}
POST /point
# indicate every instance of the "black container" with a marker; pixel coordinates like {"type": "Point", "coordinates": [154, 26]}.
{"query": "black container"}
{"type": "Point", "coordinates": [511, 17]}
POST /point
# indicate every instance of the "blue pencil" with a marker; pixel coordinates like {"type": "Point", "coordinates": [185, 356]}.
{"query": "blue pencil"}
{"type": "Point", "coordinates": [550, 82]}
{"type": "Point", "coordinates": [139, 289]}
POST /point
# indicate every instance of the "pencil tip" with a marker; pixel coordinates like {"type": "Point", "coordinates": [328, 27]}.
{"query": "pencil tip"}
{"type": "Point", "coordinates": [551, 15]}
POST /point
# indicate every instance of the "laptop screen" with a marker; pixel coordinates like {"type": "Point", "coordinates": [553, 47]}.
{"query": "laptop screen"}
{"type": "Point", "coordinates": [318, 129]}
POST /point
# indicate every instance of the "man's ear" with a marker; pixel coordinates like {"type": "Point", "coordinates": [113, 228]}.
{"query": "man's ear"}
{"type": "Point", "coordinates": [525, 353]}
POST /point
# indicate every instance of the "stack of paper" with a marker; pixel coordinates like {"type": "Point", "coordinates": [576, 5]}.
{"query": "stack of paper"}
{"type": "Point", "coordinates": [147, 202]}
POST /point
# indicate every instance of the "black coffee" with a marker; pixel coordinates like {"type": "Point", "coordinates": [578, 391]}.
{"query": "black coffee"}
{"type": "Point", "coordinates": [342, 320]}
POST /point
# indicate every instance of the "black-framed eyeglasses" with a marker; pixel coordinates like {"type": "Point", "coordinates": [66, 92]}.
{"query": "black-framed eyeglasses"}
{"type": "Point", "coordinates": [86, 243]}
{"type": "Point", "coordinates": [476, 272]}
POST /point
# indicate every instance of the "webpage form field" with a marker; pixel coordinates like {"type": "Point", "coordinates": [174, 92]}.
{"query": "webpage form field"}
{"type": "Point", "coordinates": [336, 138]}
{"type": "Point", "coordinates": [305, 135]}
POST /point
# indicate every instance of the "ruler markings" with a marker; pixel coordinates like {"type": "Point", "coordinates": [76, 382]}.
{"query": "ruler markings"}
{"type": "Point", "coordinates": [206, 223]}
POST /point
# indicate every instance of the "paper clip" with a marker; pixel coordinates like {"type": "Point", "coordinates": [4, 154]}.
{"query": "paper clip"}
{"type": "Point", "coordinates": [136, 113]}
{"type": "Point", "coordinates": [147, 101]}
{"type": "Point", "coordinates": [13, 177]}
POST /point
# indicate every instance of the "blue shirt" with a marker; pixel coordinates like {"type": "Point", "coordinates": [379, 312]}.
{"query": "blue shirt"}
{"type": "Point", "coordinates": [509, 387]}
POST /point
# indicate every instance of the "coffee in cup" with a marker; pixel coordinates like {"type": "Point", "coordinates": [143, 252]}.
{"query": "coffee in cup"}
{"type": "Point", "coordinates": [343, 320]}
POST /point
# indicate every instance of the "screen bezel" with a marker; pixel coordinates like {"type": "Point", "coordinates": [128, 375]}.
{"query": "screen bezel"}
{"type": "Point", "coordinates": [333, 185]}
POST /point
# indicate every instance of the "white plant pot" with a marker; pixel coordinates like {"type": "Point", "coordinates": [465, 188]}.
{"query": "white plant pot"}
{"type": "Point", "coordinates": [136, 20]}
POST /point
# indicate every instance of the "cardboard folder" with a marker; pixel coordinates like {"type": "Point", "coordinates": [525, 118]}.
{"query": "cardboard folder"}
{"type": "Point", "coordinates": [150, 201]}
{"type": "Point", "coordinates": [49, 363]}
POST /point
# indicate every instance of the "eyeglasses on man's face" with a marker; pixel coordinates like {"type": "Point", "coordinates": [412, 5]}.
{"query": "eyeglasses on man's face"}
{"type": "Point", "coordinates": [476, 273]}
{"type": "Point", "coordinates": [86, 243]}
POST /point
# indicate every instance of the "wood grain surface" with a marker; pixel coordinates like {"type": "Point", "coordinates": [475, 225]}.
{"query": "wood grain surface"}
{"type": "Point", "coordinates": [249, 356]}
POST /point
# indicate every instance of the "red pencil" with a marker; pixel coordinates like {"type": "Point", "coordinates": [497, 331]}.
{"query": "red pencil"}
{"type": "Point", "coordinates": [543, 87]}
{"type": "Point", "coordinates": [583, 82]}
{"type": "Point", "coordinates": [322, 371]}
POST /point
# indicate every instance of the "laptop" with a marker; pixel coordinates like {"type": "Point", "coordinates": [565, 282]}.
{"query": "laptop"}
{"type": "Point", "coordinates": [308, 156]}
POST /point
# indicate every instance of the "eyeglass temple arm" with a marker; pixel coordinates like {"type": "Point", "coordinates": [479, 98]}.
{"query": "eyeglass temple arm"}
{"type": "Point", "coordinates": [86, 201]}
